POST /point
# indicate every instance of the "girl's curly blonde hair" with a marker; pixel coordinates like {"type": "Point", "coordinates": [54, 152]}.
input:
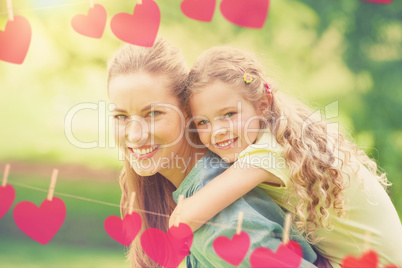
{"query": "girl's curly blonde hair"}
{"type": "Point", "coordinates": [319, 160]}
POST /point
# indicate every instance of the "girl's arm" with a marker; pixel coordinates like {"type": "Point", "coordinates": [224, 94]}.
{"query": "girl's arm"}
{"type": "Point", "coordinates": [222, 191]}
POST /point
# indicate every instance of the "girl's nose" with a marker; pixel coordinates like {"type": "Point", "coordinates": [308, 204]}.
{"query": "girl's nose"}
{"type": "Point", "coordinates": [221, 131]}
{"type": "Point", "coordinates": [137, 132]}
{"type": "Point", "coordinates": [221, 126]}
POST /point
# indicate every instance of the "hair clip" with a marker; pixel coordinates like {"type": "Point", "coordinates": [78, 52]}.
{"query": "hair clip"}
{"type": "Point", "coordinates": [246, 76]}
{"type": "Point", "coordinates": [268, 91]}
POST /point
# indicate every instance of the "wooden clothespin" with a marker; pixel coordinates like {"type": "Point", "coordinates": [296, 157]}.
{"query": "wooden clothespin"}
{"type": "Point", "coordinates": [178, 212]}
{"type": "Point", "coordinates": [367, 241]}
{"type": "Point", "coordinates": [91, 3]}
{"type": "Point", "coordinates": [139, 2]}
{"type": "Point", "coordinates": [53, 181]}
{"type": "Point", "coordinates": [286, 228]}
{"type": "Point", "coordinates": [10, 10]}
{"type": "Point", "coordinates": [5, 176]}
{"type": "Point", "coordinates": [239, 222]}
{"type": "Point", "coordinates": [131, 204]}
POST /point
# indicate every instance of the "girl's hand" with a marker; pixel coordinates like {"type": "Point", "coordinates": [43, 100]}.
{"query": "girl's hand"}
{"type": "Point", "coordinates": [189, 215]}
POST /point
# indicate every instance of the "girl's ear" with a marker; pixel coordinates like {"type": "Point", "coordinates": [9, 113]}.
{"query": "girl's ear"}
{"type": "Point", "coordinates": [264, 103]}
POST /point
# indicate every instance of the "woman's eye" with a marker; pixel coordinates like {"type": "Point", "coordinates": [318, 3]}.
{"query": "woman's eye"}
{"type": "Point", "coordinates": [120, 117]}
{"type": "Point", "coordinates": [229, 114]}
{"type": "Point", "coordinates": [154, 113]}
{"type": "Point", "coordinates": [202, 122]}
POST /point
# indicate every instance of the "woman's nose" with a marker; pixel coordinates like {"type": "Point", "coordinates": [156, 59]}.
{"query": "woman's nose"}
{"type": "Point", "coordinates": [137, 131]}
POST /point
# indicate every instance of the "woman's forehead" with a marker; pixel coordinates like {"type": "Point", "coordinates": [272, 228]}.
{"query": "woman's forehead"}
{"type": "Point", "coordinates": [136, 91]}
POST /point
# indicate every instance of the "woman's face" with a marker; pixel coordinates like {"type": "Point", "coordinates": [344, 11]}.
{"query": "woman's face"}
{"type": "Point", "coordinates": [149, 123]}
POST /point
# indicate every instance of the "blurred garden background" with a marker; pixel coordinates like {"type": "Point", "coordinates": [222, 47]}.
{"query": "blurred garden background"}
{"type": "Point", "coordinates": [344, 54]}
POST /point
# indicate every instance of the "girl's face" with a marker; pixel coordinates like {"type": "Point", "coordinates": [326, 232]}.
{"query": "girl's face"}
{"type": "Point", "coordinates": [148, 122]}
{"type": "Point", "coordinates": [226, 122]}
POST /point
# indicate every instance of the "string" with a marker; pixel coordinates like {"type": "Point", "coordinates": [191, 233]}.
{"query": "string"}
{"type": "Point", "coordinates": [135, 209]}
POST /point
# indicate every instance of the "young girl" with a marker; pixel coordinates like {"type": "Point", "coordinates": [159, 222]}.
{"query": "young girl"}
{"type": "Point", "coordinates": [333, 189]}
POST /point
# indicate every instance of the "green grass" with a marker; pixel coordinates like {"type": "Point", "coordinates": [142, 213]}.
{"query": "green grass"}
{"type": "Point", "coordinates": [22, 253]}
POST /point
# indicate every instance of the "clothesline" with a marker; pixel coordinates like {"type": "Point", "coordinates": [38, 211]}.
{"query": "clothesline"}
{"type": "Point", "coordinates": [23, 185]}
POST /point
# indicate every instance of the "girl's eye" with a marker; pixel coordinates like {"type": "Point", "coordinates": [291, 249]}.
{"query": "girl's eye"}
{"type": "Point", "coordinates": [120, 117]}
{"type": "Point", "coordinates": [229, 114]}
{"type": "Point", "coordinates": [202, 122]}
{"type": "Point", "coordinates": [154, 113]}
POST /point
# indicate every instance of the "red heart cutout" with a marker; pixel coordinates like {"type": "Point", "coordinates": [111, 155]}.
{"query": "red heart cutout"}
{"type": "Point", "coordinates": [168, 249]}
{"type": "Point", "coordinates": [379, 1]}
{"type": "Point", "coordinates": [7, 197]}
{"type": "Point", "coordinates": [202, 10]}
{"type": "Point", "coordinates": [15, 40]}
{"type": "Point", "coordinates": [245, 13]}
{"type": "Point", "coordinates": [232, 250]}
{"type": "Point", "coordinates": [367, 260]}
{"type": "Point", "coordinates": [123, 231]}
{"type": "Point", "coordinates": [289, 255]}
{"type": "Point", "coordinates": [140, 28]}
{"type": "Point", "coordinates": [42, 223]}
{"type": "Point", "coordinates": [92, 25]}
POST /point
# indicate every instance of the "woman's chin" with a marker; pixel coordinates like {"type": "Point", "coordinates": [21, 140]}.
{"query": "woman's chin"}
{"type": "Point", "coordinates": [144, 171]}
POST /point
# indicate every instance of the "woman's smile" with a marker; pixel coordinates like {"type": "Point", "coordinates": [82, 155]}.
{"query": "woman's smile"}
{"type": "Point", "coordinates": [144, 152]}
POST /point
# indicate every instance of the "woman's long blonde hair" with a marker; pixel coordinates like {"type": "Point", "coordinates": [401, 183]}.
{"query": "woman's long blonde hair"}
{"type": "Point", "coordinates": [153, 193]}
{"type": "Point", "coordinates": [319, 170]}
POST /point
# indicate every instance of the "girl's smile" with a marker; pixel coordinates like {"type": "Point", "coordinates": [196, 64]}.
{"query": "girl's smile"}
{"type": "Point", "coordinates": [226, 144]}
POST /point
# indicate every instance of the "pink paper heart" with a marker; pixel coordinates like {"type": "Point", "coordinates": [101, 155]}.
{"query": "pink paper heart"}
{"type": "Point", "coordinates": [367, 260]}
{"type": "Point", "coordinates": [15, 40]}
{"type": "Point", "coordinates": [167, 249]}
{"type": "Point", "coordinates": [286, 256]}
{"type": "Point", "coordinates": [91, 25]}
{"type": "Point", "coordinates": [40, 223]}
{"type": "Point", "coordinates": [123, 231]}
{"type": "Point", "coordinates": [7, 197]}
{"type": "Point", "coordinates": [245, 13]}
{"type": "Point", "coordinates": [232, 250]}
{"type": "Point", "coordinates": [202, 10]}
{"type": "Point", "coordinates": [384, 2]}
{"type": "Point", "coordinates": [141, 27]}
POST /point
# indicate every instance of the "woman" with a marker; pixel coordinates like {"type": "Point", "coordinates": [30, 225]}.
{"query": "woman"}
{"type": "Point", "coordinates": [147, 86]}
